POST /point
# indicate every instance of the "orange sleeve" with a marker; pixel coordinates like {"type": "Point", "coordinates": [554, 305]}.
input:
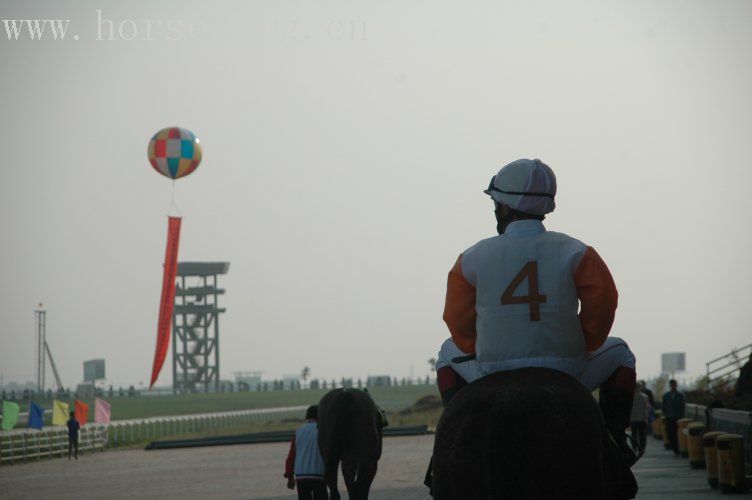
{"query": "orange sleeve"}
{"type": "Point", "coordinates": [598, 298]}
{"type": "Point", "coordinates": [290, 462]}
{"type": "Point", "coordinates": [459, 309]}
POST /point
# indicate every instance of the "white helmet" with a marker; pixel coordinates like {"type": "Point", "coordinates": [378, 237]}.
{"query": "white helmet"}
{"type": "Point", "coordinates": [528, 186]}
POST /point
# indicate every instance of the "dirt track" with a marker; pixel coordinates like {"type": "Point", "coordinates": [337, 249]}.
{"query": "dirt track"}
{"type": "Point", "coordinates": [233, 472]}
{"type": "Point", "coordinates": [255, 472]}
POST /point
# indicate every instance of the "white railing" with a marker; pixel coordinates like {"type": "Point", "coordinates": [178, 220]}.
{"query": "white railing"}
{"type": "Point", "coordinates": [124, 432]}
{"type": "Point", "coordinates": [23, 445]}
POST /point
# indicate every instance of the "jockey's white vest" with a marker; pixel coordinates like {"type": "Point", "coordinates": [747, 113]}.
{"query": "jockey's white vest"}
{"type": "Point", "coordinates": [517, 325]}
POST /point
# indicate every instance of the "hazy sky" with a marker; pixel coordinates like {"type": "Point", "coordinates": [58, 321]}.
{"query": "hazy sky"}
{"type": "Point", "coordinates": [346, 146]}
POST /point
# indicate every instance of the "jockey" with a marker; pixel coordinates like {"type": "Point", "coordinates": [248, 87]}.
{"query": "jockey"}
{"type": "Point", "coordinates": [535, 298]}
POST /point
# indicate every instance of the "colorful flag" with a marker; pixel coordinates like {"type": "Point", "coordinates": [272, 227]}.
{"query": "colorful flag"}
{"type": "Point", "coordinates": [59, 412]}
{"type": "Point", "coordinates": [167, 302]}
{"type": "Point", "coordinates": [82, 412]}
{"type": "Point", "coordinates": [10, 415]}
{"type": "Point", "coordinates": [36, 416]}
{"type": "Point", "coordinates": [101, 411]}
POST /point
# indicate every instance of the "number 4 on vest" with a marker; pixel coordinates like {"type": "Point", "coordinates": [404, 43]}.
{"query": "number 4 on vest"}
{"type": "Point", "coordinates": [534, 299]}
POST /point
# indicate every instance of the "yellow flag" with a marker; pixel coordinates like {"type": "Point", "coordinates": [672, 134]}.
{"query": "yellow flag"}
{"type": "Point", "coordinates": [59, 412]}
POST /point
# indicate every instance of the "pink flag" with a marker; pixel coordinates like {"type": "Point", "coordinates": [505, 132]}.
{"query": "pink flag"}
{"type": "Point", "coordinates": [101, 411]}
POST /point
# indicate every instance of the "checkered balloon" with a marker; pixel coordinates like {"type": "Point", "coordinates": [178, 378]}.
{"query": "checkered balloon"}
{"type": "Point", "coordinates": [174, 152]}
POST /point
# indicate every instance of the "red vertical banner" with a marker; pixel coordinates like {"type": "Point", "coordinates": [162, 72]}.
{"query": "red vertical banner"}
{"type": "Point", "coordinates": [168, 296]}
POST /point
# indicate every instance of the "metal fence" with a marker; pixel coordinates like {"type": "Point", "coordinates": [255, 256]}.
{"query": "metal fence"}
{"type": "Point", "coordinates": [24, 445]}
{"type": "Point", "coordinates": [696, 412]}
{"type": "Point", "coordinates": [727, 367]}
{"type": "Point", "coordinates": [125, 432]}
{"type": "Point", "coordinates": [731, 421]}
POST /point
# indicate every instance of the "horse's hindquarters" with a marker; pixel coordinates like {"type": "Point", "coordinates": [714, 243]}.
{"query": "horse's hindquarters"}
{"type": "Point", "coordinates": [349, 432]}
{"type": "Point", "coordinates": [522, 434]}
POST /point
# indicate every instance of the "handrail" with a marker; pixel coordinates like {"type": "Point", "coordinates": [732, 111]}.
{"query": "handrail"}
{"type": "Point", "coordinates": [729, 354]}
{"type": "Point", "coordinates": [734, 362]}
{"type": "Point", "coordinates": [734, 366]}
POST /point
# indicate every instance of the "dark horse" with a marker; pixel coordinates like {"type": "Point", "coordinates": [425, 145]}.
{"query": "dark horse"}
{"type": "Point", "coordinates": [350, 432]}
{"type": "Point", "coordinates": [531, 433]}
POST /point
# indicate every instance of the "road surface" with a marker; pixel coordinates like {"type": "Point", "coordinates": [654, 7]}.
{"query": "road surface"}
{"type": "Point", "coordinates": [255, 472]}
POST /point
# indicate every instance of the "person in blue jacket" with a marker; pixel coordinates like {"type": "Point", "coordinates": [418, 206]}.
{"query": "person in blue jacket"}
{"type": "Point", "coordinates": [73, 428]}
{"type": "Point", "coordinates": [673, 410]}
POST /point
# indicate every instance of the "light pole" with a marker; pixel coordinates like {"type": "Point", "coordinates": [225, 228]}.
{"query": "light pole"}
{"type": "Point", "coordinates": [41, 316]}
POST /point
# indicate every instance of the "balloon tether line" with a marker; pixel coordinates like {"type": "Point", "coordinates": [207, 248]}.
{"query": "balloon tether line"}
{"type": "Point", "coordinates": [172, 204]}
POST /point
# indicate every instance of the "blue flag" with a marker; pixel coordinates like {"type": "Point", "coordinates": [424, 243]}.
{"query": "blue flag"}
{"type": "Point", "coordinates": [36, 416]}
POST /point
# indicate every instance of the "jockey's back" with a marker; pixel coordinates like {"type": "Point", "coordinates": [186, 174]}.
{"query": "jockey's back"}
{"type": "Point", "coordinates": [524, 287]}
{"type": "Point", "coordinates": [533, 298]}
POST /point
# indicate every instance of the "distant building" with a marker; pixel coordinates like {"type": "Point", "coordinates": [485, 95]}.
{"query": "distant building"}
{"type": "Point", "coordinates": [672, 362]}
{"type": "Point", "coordinates": [290, 382]}
{"type": "Point", "coordinates": [86, 390]}
{"type": "Point", "coordinates": [248, 381]}
{"type": "Point", "coordinates": [379, 381]}
{"type": "Point", "coordinates": [93, 370]}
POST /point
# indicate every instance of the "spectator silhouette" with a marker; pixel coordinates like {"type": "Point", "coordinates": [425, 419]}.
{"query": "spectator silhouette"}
{"type": "Point", "coordinates": [673, 410]}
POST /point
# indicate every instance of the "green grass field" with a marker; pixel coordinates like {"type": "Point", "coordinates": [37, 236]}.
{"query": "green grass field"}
{"type": "Point", "coordinates": [127, 407]}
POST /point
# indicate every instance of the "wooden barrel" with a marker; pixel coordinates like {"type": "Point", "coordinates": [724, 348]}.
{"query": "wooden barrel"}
{"type": "Point", "coordinates": [682, 424]}
{"type": "Point", "coordinates": [666, 442]}
{"type": "Point", "coordinates": [695, 431]}
{"type": "Point", "coordinates": [731, 463]}
{"type": "Point", "coordinates": [658, 425]}
{"type": "Point", "coordinates": [711, 456]}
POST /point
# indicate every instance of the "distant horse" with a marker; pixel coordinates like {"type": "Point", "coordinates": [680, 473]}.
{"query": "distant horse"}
{"type": "Point", "coordinates": [531, 433]}
{"type": "Point", "coordinates": [350, 432]}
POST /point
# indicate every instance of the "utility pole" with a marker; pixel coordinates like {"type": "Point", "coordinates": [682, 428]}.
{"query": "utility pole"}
{"type": "Point", "coordinates": [41, 315]}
